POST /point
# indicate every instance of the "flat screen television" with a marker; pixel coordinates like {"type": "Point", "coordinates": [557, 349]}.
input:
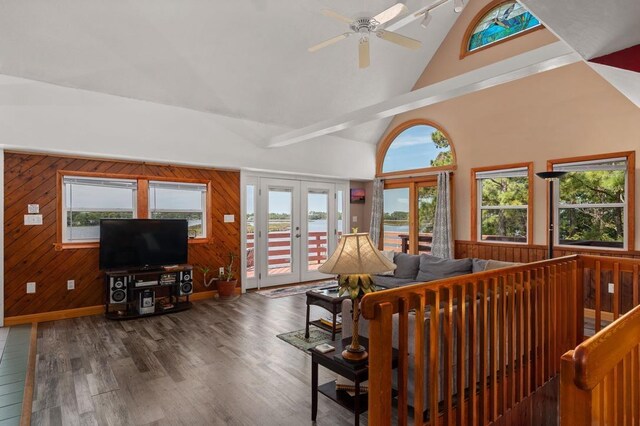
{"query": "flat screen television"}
{"type": "Point", "coordinates": [142, 243]}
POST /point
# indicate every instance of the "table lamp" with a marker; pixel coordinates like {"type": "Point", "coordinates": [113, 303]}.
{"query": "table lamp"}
{"type": "Point", "coordinates": [353, 260]}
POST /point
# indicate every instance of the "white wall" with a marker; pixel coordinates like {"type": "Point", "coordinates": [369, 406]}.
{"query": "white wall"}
{"type": "Point", "coordinates": [43, 117]}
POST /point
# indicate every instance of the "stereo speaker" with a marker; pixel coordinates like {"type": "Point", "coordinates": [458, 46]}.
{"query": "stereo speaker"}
{"type": "Point", "coordinates": [186, 282]}
{"type": "Point", "coordinates": [118, 289]}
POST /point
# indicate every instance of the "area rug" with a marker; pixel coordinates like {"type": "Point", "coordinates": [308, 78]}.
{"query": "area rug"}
{"type": "Point", "coordinates": [296, 289]}
{"type": "Point", "coordinates": [317, 336]}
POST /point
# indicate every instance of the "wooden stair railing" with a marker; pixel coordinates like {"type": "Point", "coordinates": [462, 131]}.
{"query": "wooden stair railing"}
{"type": "Point", "coordinates": [600, 379]}
{"type": "Point", "coordinates": [484, 355]}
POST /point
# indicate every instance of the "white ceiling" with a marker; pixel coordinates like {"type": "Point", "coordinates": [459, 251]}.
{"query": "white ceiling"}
{"type": "Point", "coordinates": [592, 27]}
{"type": "Point", "coordinates": [244, 59]}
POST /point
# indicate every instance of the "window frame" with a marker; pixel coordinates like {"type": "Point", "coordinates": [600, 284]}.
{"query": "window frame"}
{"type": "Point", "coordinates": [204, 211]}
{"type": "Point", "coordinates": [413, 184]}
{"type": "Point", "coordinates": [629, 207]}
{"type": "Point", "coordinates": [476, 216]}
{"type": "Point", "coordinates": [464, 49]}
{"type": "Point", "coordinates": [141, 204]}
{"type": "Point", "coordinates": [392, 135]}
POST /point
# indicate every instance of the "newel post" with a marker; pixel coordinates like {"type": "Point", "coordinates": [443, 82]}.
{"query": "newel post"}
{"type": "Point", "coordinates": [380, 365]}
{"type": "Point", "coordinates": [575, 403]}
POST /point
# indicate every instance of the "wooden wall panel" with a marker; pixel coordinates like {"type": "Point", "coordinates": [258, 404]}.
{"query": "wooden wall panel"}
{"type": "Point", "coordinates": [29, 250]}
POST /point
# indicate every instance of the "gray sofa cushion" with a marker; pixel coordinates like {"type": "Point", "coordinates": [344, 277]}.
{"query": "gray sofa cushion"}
{"type": "Point", "coordinates": [407, 265]}
{"type": "Point", "coordinates": [390, 282]}
{"type": "Point", "coordinates": [435, 268]}
{"type": "Point", "coordinates": [478, 265]}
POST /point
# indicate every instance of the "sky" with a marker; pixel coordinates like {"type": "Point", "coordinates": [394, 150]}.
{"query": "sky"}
{"type": "Point", "coordinates": [411, 149]}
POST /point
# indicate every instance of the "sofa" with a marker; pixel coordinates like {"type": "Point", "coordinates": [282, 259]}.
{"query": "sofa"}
{"type": "Point", "coordinates": [412, 269]}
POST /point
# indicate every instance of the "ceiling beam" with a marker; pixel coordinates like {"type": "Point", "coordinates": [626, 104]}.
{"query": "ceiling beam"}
{"type": "Point", "coordinates": [536, 61]}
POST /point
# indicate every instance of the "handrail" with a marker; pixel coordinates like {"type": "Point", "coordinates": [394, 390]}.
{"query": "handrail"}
{"type": "Point", "coordinates": [476, 359]}
{"type": "Point", "coordinates": [599, 354]}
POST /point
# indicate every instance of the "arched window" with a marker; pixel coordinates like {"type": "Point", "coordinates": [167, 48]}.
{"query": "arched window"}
{"type": "Point", "coordinates": [498, 21]}
{"type": "Point", "coordinates": [416, 145]}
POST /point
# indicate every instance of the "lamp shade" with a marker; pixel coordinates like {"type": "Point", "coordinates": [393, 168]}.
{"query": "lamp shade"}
{"type": "Point", "coordinates": [356, 254]}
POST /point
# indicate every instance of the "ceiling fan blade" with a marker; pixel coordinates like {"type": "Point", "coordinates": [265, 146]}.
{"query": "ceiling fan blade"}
{"type": "Point", "coordinates": [399, 39]}
{"type": "Point", "coordinates": [328, 42]}
{"type": "Point", "coordinates": [363, 53]}
{"type": "Point", "coordinates": [389, 14]}
{"type": "Point", "coordinates": [335, 15]}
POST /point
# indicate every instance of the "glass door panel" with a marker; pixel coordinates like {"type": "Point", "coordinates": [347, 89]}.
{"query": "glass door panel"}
{"type": "Point", "coordinates": [282, 233]}
{"type": "Point", "coordinates": [318, 227]}
{"type": "Point", "coordinates": [426, 200]}
{"type": "Point", "coordinates": [395, 221]}
{"type": "Point", "coordinates": [250, 241]}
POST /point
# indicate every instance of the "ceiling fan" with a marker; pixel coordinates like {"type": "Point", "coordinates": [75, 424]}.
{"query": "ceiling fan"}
{"type": "Point", "coordinates": [365, 27]}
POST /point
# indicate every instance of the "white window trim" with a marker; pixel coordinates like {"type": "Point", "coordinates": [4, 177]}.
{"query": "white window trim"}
{"type": "Point", "coordinates": [571, 167]}
{"type": "Point", "coordinates": [499, 173]}
{"type": "Point", "coordinates": [79, 180]}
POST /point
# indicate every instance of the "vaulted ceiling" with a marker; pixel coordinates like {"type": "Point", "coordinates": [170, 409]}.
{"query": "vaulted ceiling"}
{"type": "Point", "coordinates": [244, 59]}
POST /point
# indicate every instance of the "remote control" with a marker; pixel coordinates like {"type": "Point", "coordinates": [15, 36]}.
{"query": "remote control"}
{"type": "Point", "coordinates": [324, 348]}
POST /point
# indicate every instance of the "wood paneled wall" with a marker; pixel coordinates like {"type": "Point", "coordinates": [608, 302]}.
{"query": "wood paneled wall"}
{"type": "Point", "coordinates": [29, 250]}
{"type": "Point", "coordinates": [526, 253]}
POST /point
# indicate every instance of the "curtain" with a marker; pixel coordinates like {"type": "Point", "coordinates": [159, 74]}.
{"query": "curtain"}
{"type": "Point", "coordinates": [377, 207]}
{"type": "Point", "coordinates": [442, 245]}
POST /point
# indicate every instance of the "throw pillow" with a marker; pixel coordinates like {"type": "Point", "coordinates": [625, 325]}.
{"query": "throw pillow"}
{"type": "Point", "coordinates": [389, 254]}
{"type": "Point", "coordinates": [497, 264]}
{"type": "Point", "coordinates": [478, 265]}
{"type": "Point", "coordinates": [435, 268]}
{"type": "Point", "coordinates": [407, 265]}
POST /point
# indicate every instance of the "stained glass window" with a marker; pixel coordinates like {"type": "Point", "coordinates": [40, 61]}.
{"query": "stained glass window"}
{"type": "Point", "coordinates": [418, 147]}
{"type": "Point", "coordinates": [503, 21]}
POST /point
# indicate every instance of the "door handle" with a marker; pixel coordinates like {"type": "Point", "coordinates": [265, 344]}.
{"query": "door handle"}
{"type": "Point", "coordinates": [298, 235]}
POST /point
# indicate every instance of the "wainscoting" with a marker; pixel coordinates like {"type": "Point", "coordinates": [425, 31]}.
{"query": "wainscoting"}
{"type": "Point", "coordinates": [29, 250]}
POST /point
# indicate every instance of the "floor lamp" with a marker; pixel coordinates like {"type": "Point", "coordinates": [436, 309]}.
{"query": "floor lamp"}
{"type": "Point", "coordinates": [550, 177]}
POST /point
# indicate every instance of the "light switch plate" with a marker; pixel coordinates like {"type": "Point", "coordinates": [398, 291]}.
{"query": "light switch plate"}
{"type": "Point", "coordinates": [33, 208]}
{"type": "Point", "coordinates": [229, 218]}
{"type": "Point", "coordinates": [33, 219]}
{"type": "Point", "coordinates": [354, 219]}
{"type": "Point", "coordinates": [611, 288]}
{"type": "Point", "coordinates": [71, 284]}
{"type": "Point", "coordinates": [31, 287]}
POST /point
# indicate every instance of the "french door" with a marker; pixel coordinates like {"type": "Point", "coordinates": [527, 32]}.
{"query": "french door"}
{"type": "Point", "coordinates": [292, 227]}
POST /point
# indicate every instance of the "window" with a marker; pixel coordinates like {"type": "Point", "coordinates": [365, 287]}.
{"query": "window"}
{"type": "Point", "coordinates": [503, 198]}
{"type": "Point", "coordinates": [174, 200]}
{"type": "Point", "coordinates": [592, 201]}
{"type": "Point", "coordinates": [415, 145]}
{"type": "Point", "coordinates": [87, 200]}
{"type": "Point", "coordinates": [409, 214]}
{"type": "Point", "coordinates": [498, 22]}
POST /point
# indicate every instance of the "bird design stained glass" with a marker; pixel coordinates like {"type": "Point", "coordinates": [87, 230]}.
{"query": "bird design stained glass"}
{"type": "Point", "coordinates": [503, 21]}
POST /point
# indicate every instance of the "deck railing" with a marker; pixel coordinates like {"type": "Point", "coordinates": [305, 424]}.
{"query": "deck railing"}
{"type": "Point", "coordinates": [280, 248]}
{"type": "Point", "coordinates": [480, 357]}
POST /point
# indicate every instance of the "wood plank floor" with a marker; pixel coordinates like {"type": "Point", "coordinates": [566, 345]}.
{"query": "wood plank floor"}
{"type": "Point", "coordinates": [219, 363]}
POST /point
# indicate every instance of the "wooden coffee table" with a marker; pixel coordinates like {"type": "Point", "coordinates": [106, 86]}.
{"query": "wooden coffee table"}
{"type": "Point", "coordinates": [328, 299]}
{"type": "Point", "coordinates": [357, 372]}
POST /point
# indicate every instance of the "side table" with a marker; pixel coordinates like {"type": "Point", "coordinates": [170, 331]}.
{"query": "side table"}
{"type": "Point", "coordinates": [329, 300]}
{"type": "Point", "coordinates": [356, 372]}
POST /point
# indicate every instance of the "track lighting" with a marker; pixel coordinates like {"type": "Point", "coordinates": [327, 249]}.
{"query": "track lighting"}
{"type": "Point", "coordinates": [426, 19]}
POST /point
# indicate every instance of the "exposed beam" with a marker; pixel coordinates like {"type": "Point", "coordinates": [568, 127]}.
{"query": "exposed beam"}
{"type": "Point", "coordinates": [539, 60]}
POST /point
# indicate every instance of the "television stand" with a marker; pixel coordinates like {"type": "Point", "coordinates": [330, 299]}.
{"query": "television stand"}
{"type": "Point", "coordinates": [140, 293]}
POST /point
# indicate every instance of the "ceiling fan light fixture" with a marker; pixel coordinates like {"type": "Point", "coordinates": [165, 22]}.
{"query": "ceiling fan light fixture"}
{"type": "Point", "coordinates": [458, 5]}
{"type": "Point", "coordinates": [426, 19]}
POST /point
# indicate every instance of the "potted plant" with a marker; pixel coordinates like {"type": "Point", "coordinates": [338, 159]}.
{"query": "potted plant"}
{"type": "Point", "coordinates": [226, 283]}
{"type": "Point", "coordinates": [205, 270]}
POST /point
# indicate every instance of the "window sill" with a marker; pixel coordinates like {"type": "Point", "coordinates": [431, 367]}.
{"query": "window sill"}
{"type": "Point", "coordinates": [503, 243]}
{"type": "Point", "coordinates": [96, 244]}
{"type": "Point", "coordinates": [199, 240]}
{"type": "Point", "coordinates": [590, 249]}
{"type": "Point", "coordinates": [74, 246]}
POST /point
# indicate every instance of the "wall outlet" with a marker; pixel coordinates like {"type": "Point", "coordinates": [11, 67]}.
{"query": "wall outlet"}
{"type": "Point", "coordinates": [71, 284]}
{"type": "Point", "coordinates": [31, 287]}
{"type": "Point", "coordinates": [611, 288]}
{"type": "Point", "coordinates": [221, 270]}
{"type": "Point", "coordinates": [33, 208]}
{"type": "Point", "coordinates": [33, 219]}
